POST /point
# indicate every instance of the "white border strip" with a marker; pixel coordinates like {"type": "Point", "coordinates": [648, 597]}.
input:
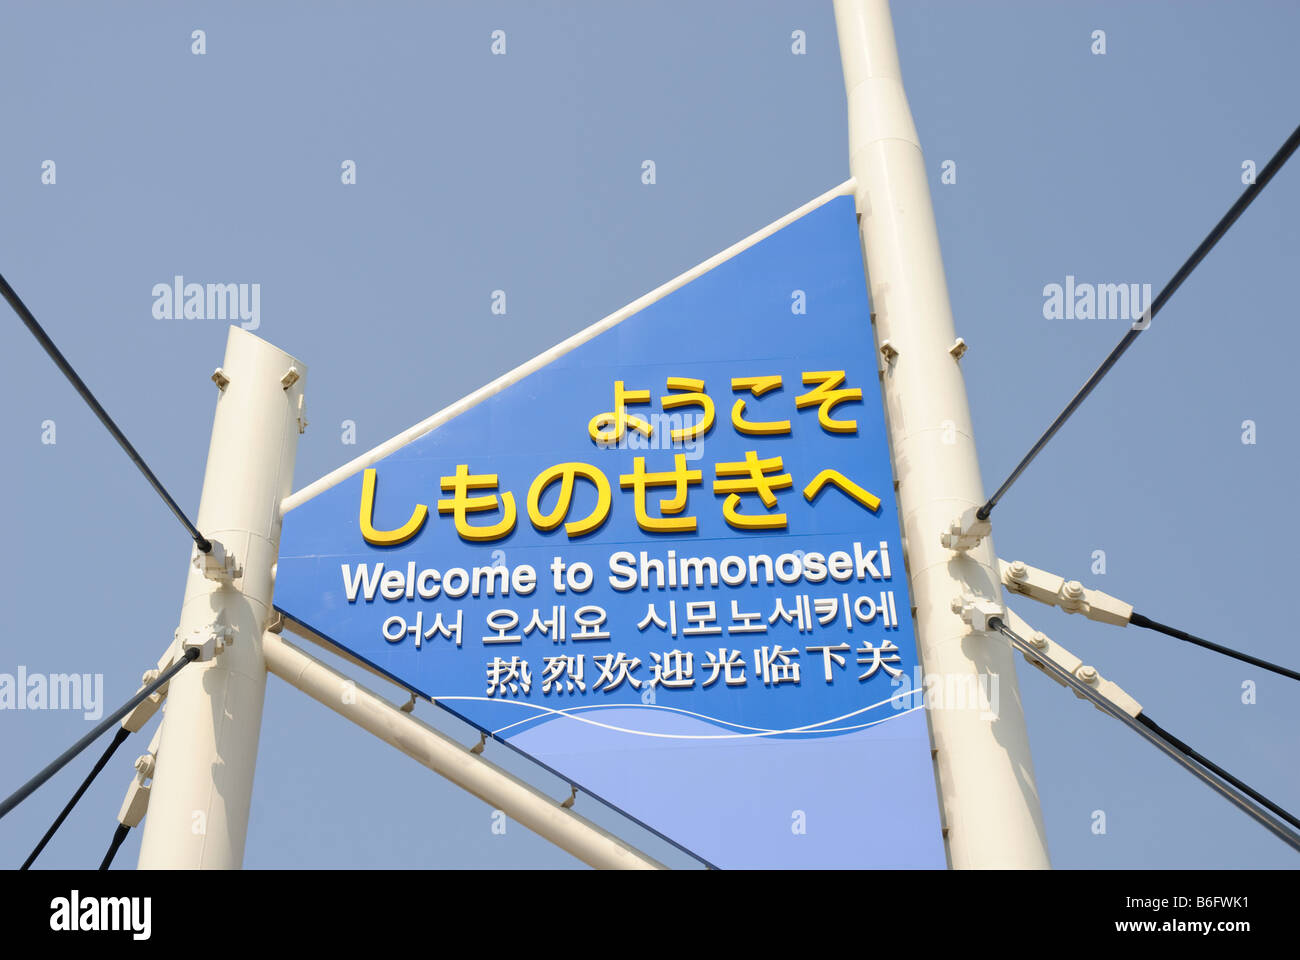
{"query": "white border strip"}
{"type": "Point", "coordinates": [373, 456]}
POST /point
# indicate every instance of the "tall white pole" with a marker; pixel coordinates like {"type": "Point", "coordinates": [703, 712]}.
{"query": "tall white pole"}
{"type": "Point", "coordinates": [988, 797]}
{"type": "Point", "coordinates": [203, 781]}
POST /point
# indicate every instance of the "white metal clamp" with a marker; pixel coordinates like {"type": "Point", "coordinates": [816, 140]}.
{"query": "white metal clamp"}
{"type": "Point", "coordinates": [209, 640]}
{"type": "Point", "coordinates": [966, 532]}
{"type": "Point", "coordinates": [217, 564]}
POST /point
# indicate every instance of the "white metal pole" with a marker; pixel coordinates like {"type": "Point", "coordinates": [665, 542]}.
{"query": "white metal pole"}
{"type": "Point", "coordinates": [203, 782]}
{"type": "Point", "coordinates": [525, 804]}
{"type": "Point", "coordinates": [985, 775]}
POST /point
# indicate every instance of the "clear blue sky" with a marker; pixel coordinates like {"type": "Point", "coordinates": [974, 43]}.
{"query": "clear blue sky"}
{"type": "Point", "coordinates": [478, 172]}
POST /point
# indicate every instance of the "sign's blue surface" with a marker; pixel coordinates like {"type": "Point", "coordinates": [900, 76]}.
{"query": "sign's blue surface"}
{"type": "Point", "coordinates": [711, 633]}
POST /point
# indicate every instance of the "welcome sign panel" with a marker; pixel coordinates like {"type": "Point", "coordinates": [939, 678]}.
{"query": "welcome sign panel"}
{"type": "Point", "coordinates": [666, 566]}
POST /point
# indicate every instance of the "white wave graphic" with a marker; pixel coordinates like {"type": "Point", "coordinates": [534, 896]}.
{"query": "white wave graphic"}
{"type": "Point", "coordinates": [571, 711]}
{"type": "Point", "coordinates": [819, 727]}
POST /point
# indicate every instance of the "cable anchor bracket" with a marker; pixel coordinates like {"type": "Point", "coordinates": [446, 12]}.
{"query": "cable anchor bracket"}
{"type": "Point", "coordinates": [209, 641]}
{"type": "Point", "coordinates": [217, 564]}
{"type": "Point", "coordinates": [1047, 649]}
{"type": "Point", "coordinates": [966, 532]}
{"type": "Point", "coordinates": [1070, 595]}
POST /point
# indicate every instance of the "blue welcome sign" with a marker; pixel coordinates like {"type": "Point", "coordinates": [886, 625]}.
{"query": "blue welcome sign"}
{"type": "Point", "coordinates": [667, 566]}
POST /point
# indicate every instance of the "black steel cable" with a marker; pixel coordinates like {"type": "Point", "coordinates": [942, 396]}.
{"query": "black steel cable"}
{"type": "Point", "coordinates": [1231, 789]}
{"type": "Point", "coordinates": [1248, 195]}
{"type": "Point", "coordinates": [118, 836]}
{"type": "Point", "coordinates": [26, 790]}
{"type": "Point", "coordinates": [118, 739]}
{"type": "Point", "coordinates": [1138, 620]}
{"type": "Point", "coordinates": [1217, 770]}
{"type": "Point", "coordinates": [61, 362]}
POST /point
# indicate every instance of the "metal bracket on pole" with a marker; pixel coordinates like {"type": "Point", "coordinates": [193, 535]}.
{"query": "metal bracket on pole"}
{"type": "Point", "coordinates": [1046, 649]}
{"type": "Point", "coordinates": [210, 640]}
{"type": "Point", "coordinates": [217, 564]}
{"type": "Point", "coordinates": [146, 708]}
{"type": "Point", "coordinates": [966, 532]}
{"type": "Point", "coordinates": [288, 380]}
{"type": "Point", "coordinates": [1070, 595]}
{"type": "Point", "coordinates": [137, 794]}
{"type": "Point", "coordinates": [977, 611]}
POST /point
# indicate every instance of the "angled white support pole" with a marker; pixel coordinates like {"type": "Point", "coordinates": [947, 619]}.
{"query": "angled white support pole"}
{"type": "Point", "coordinates": [986, 778]}
{"type": "Point", "coordinates": [283, 625]}
{"type": "Point", "coordinates": [528, 806]}
{"type": "Point", "coordinates": [203, 780]}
